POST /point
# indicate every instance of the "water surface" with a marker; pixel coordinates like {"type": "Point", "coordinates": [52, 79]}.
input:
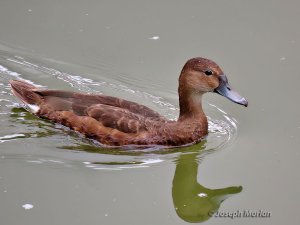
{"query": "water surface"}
{"type": "Point", "coordinates": [135, 50]}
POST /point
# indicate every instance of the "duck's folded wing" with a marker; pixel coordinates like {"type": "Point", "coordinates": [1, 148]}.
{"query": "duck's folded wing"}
{"type": "Point", "coordinates": [117, 118]}
{"type": "Point", "coordinates": [120, 117]}
{"type": "Point", "coordinates": [86, 100]}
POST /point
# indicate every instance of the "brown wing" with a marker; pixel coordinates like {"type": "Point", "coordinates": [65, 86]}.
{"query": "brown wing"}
{"type": "Point", "coordinates": [81, 101]}
{"type": "Point", "coordinates": [117, 118]}
{"type": "Point", "coordinates": [125, 116]}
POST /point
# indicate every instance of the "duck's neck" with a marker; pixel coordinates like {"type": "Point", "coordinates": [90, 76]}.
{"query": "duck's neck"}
{"type": "Point", "coordinates": [191, 106]}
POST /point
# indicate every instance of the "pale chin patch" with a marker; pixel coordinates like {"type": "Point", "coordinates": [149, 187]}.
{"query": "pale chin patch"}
{"type": "Point", "coordinates": [32, 108]}
{"type": "Point", "coordinates": [197, 97]}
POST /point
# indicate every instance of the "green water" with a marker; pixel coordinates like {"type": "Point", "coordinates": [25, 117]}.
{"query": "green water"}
{"type": "Point", "coordinates": [135, 50]}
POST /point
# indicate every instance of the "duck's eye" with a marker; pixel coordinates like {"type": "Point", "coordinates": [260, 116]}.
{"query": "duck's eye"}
{"type": "Point", "coordinates": [208, 72]}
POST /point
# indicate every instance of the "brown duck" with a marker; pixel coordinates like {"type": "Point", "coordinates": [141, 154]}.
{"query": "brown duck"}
{"type": "Point", "coordinates": [117, 122]}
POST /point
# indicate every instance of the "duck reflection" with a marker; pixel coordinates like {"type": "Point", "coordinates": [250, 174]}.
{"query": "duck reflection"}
{"type": "Point", "coordinates": [192, 201]}
{"type": "Point", "coordinates": [38, 128]}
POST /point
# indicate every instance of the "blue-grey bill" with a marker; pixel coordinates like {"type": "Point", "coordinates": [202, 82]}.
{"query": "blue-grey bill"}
{"type": "Point", "coordinates": [225, 90]}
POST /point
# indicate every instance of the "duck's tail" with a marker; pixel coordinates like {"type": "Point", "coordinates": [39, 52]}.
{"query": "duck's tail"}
{"type": "Point", "coordinates": [26, 93]}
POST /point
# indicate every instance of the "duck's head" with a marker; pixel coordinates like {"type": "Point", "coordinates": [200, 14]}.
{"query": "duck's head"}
{"type": "Point", "coordinates": [200, 75]}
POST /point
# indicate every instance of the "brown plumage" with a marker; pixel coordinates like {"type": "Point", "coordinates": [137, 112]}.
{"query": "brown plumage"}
{"type": "Point", "coordinates": [117, 122]}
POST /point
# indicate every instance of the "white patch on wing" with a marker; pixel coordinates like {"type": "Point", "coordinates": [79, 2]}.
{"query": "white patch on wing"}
{"type": "Point", "coordinates": [33, 108]}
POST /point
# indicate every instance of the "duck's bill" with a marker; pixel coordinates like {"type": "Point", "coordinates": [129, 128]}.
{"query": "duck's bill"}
{"type": "Point", "coordinates": [225, 90]}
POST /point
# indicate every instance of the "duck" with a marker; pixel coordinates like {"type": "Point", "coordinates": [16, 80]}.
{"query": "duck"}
{"type": "Point", "coordinates": [116, 122]}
